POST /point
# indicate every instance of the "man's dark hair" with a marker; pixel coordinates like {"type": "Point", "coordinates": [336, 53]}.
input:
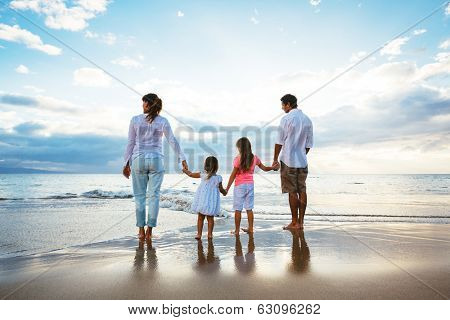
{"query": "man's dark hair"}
{"type": "Point", "coordinates": [291, 99]}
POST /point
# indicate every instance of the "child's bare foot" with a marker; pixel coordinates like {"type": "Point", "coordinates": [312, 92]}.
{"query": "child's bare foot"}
{"type": "Point", "coordinates": [247, 230]}
{"type": "Point", "coordinates": [235, 232]}
{"type": "Point", "coordinates": [198, 237]}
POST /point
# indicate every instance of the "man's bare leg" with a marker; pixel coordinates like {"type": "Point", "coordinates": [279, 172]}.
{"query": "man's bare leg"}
{"type": "Point", "coordinates": [294, 204]}
{"type": "Point", "coordinates": [303, 203]}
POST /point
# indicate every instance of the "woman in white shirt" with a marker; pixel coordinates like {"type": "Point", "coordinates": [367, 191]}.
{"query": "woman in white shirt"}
{"type": "Point", "coordinates": [143, 159]}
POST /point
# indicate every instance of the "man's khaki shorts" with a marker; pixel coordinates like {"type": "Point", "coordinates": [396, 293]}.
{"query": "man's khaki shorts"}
{"type": "Point", "coordinates": [293, 179]}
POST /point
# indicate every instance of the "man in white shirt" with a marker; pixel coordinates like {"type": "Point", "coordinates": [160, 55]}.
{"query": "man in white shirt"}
{"type": "Point", "coordinates": [295, 139]}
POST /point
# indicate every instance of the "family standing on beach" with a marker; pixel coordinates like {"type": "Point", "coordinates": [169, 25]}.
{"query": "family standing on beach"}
{"type": "Point", "coordinates": [144, 162]}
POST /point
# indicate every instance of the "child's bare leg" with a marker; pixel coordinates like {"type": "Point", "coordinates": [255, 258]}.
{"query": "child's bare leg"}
{"type": "Point", "coordinates": [250, 219]}
{"type": "Point", "coordinates": [200, 220]}
{"type": "Point", "coordinates": [237, 222]}
{"type": "Point", "coordinates": [210, 226]}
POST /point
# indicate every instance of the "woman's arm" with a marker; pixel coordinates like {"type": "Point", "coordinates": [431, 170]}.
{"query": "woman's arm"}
{"type": "Point", "coordinates": [129, 150]}
{"type": "Point", "coordinates": [232, 177]}
{"type": "Point", "coordinates": [174, 144]}
{"type": "Point", "coordinates": [264, 168]}
{"type": "Point", "coordinates": [192, 174]}
{"type": "Point", "coordinates": [222, 190]}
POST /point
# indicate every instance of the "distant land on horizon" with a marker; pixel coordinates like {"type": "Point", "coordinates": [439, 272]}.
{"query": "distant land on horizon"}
{"type": "Point", "coordinates": [26, 170]}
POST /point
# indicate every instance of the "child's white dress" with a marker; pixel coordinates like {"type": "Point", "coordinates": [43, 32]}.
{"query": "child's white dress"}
{"type": "Point", "coordinates": [207, 197]}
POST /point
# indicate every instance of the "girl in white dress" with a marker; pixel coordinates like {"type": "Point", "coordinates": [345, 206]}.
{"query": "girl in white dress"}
{"type": "Point", "coordinates": [207, 198]}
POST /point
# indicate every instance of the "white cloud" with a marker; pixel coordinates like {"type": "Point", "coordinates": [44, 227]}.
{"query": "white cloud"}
{"type": "Point", "coordinates": [394, 47]}
{"type": "Point", "coordinates": [30, 40]}
{"type": "Point", "coordinates": [357, 56]}
{"type": "Point", "coordinates": [442, 57]}
{"type": "Point", "coordinates": [314, 3]}
{"type": "Point", "coordinates": [33, 88]}
{"type": "Point", "coordinates": [445, 44]}
{"type": "Point", "coordinates": [59, 16]}
{"type": "Point", "coordinates": [90, 34]}
{"type": "Point", "coordinates": [254, 20]}
{"type": "Point", "coordinates": [22, 69]}
{"type": "Point", "coordinates": [180, 14]}
{"type": "Point", "coordinates": [91, 77]}
{"type": "Point", "coordinates": [127, 62]}
{"type": "Point", "coordinates": [419, 32]}
{"type": "Point", "coordinates": [108, 38]}
{"type": "Point", "coordinates": [447, 10]}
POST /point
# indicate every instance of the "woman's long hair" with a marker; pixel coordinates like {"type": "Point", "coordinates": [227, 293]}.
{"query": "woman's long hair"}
{"type": "Point", "coordinates": [211, 166]}
{"type": "Point", "coordinates": [154, 106]}
{"type": "Point", "coordinates": [245, 150]}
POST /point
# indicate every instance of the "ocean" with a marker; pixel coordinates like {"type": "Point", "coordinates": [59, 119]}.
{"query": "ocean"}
{"type": "Point", "coordinates": [45, 212]}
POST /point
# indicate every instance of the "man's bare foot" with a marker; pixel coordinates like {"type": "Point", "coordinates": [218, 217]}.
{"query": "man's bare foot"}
{"type": "Point", "coordinates": [198, 237]}
{"type": "Point", "coordinates": [235, 232]}
{"type": "Point", "coordinates": [247, 230]}
{"type": "Point", "coordinates": [290, 226]}
{"type": "Point", "coordinates": [210, 236]}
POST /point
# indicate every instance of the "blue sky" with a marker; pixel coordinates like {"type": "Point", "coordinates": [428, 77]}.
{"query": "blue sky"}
{"type": "Point", "coordinates": [225, 63]}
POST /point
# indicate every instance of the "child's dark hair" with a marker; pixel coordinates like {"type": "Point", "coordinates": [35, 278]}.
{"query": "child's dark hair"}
{"type": "Point", "coordinates": [245, 149]}
{"type": "Point", "coordinates": [211, 166]}
{"type": "Point", "coordinates": [291, 99]}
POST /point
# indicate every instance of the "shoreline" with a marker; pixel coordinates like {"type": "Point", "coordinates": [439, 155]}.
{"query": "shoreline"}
{"type": "Point", "coordinates": [342, 261]}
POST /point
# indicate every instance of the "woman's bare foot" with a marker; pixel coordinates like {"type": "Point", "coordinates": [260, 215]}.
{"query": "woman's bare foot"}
{"type": "Point", "coordinates": [235, 232]}
{"type": "Point", "coordinates": [198, 237]}
{"type": "Point", "coordinates": [247, 230]}
{"type": "Point", "coordinates": [141, 235]}
{"type": "Point", "coordinates": [148, 233]}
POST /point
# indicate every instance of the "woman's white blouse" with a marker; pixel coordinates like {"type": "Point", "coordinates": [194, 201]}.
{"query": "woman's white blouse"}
{"type": "Point", "coordinates": [145, 138]}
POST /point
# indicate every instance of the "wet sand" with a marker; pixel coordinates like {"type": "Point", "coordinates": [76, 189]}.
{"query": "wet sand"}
{"type": "Point", "coordinates": [326, 261]}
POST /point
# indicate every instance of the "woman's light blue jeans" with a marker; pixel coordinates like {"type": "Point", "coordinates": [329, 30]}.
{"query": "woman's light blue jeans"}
{"type": "Point", "coordinates": [147, 175]}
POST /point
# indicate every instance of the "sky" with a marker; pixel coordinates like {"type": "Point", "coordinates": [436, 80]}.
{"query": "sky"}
{"type": "Point", "coordinates": [73, 74]}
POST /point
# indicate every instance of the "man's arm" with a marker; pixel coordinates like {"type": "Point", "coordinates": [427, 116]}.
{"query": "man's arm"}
{"type": "Point", "coordinates": [275, 163]}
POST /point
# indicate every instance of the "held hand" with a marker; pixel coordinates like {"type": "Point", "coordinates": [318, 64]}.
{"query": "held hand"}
{"type": "Point", "coordinates": [225, 192]}
{"type": "Point", "coordinates": [185, 165]}
{"type": "Point", "coordinates": [126, 171]}
{"type": "Point", "coordinates": [275, 165]}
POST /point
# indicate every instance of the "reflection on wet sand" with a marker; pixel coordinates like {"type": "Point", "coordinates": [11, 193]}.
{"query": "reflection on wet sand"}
{"type": "Point", "coordinates": [139, 259]}
{"type": "Point", "coordinates": [245, 264]}
{"type": "Point", "coordinates": [209, 263]}
{"type": "Point", "coordinates": [300, 255]}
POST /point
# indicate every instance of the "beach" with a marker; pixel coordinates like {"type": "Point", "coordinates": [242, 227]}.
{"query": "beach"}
{"type": "Point", "coordinates": [326, 261]}
{"type": "Point", "coordinates": [365, 237]}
